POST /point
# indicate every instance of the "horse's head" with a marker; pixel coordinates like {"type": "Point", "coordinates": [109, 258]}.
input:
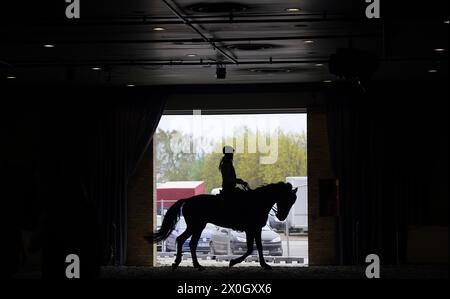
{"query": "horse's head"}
{"type": "Point", "coordinates": [285, 200]}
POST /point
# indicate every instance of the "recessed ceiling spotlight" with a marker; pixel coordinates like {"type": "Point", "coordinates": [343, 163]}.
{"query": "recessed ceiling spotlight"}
{"type": "Point", "coordinates": [159, 29]}
{"type": "Point", "coordinates": [439, 50]}
{"type": "Point", "coordinates": [96, 68]}
{"type": "Point", "coordinates": [446, 22]}
{"type": "Point", "coordinates": [49, 46]}
{"type": "Point", "coordinates": [191, 55]}
{"type": "Point", "coordinates": [327, 81]}
{"type": "Point", "coordinates": [308, 42]}
{"type": "Point", "coordinates": [319, 64]}
{"type": "Point", "coordinates": [131, 85]}
{"type": "Point", "coordinates": [432, 71]}
{"type": "Point", "coordinates": [10, 77]}
{"type": "Point", "coordinates": [294, 9]}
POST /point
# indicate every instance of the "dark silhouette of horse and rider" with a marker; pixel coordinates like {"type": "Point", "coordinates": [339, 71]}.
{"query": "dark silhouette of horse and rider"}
{"type": "Point", "coordinates": [241, 209]}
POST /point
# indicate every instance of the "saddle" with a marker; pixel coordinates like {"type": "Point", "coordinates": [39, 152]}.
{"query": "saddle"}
{"type": "Point", "coordinates": [231, 199]}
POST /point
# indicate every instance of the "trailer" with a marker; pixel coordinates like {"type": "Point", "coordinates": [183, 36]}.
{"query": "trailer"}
{"type": "Point", "coordinates": [169, 193]}
{"type": "Point", "coordinates": [298, 216]}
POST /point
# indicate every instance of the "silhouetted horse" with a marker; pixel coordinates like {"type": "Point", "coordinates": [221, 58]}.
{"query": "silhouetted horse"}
{"type": "Point", "coordinates": [242, 210]}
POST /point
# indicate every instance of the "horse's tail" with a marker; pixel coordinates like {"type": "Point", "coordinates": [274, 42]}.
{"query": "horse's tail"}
{"type": "Point", "coordinates": [168, 225]}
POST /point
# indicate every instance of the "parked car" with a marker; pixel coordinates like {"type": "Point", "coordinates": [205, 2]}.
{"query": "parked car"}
{"type": "Point", "coordinates": [276, 224]}
{"type": "Point", "coordinates": [203, 243]}
{"type": "Point", "coordinates": [271, 241]}
{"type": "Point", "coordinates": [215, 191]}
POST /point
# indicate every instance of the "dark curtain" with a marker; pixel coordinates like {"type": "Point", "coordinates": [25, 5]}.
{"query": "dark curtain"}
{"type": "Point", "coordinates": [92, 142]}
{"type": "Point", "coordinates": [123, 133]}
{"type": "Point", "coordinates": [356, 164]}
{"type": "Point", "coordinates": [388, 155]}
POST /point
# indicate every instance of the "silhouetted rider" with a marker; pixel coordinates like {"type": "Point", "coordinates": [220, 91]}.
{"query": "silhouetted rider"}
{"type": "Point", "coordinates": [229, 179]}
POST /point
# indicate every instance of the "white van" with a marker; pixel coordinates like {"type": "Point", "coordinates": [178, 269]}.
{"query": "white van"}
{"type": "Point", "coordinates": [298, 216]}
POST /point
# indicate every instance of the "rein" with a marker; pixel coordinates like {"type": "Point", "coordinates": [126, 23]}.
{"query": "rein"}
{"type": "Point", "coordinates": [274, 209]}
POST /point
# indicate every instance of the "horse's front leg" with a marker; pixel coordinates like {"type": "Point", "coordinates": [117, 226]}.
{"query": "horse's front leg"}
{"type": "Point", "coordinates": [250, 237]}
{"type": "Point", "coordinates": [259, 246]}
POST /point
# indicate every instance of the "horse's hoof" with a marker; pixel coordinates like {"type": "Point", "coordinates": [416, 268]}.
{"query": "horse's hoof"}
{"type": "Point", "coordinates": [232, 263]}
{"type": "Point", "coordinates": [267, 267]}
{"type": "Point", "coordinates": [174, 266]}
{"type": "Point", "coordinates": [199, 267]}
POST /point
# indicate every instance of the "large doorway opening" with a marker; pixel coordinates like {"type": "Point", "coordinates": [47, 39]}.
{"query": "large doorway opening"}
{"type": "Point", "coordinates": [270, 146]}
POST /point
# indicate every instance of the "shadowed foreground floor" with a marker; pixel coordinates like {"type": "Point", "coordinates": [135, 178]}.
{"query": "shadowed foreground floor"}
{"type": "Point", "coordinates": [313, 272]}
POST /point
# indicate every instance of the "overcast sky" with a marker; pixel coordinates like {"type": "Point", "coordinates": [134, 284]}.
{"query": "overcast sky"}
{"type": "Point", "coordinates": [219, 127]}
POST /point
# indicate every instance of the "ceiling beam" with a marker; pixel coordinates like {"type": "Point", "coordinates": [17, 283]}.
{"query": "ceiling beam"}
{"type": "Point", "coordinates": [204, 62]}
{"type": "Point", "coordinates": [169, 21]}
{"type": "Point", "coordinates": [158, 63]}
{"type": "Point", "coordinates": [206, 39]}
{"type": "Point", "coordinates": [196, 40]}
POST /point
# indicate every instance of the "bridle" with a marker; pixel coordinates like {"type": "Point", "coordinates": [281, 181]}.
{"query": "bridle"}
{"type": "Point", "coordinates": [275, 210]}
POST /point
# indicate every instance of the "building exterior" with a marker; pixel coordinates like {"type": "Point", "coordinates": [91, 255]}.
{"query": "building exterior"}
{"type": "Point", "coordinates": [170, 192]}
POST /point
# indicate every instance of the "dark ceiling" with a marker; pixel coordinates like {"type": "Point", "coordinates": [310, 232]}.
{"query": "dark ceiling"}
{"type": "Point", "coordinates": [257, 41]}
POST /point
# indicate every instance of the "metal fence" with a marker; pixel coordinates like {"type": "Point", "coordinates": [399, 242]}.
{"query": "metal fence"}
{"type": "Point", "coordinates": [227, 258]}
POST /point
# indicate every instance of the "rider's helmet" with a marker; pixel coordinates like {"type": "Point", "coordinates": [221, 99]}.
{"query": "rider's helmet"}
{"type": "Point", "coordinates": [228, 149]}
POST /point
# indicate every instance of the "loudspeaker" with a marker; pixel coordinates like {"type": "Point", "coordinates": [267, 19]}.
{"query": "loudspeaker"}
{"type": "Point", "coordinates": [221, 73]}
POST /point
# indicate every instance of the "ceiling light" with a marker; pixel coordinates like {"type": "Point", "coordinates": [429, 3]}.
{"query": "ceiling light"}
{"type": "Point", "coordinates": [293, 9]}
{"type": "Point", "coordinates": [319, 64]}
{"type": "Point", "coordinates": [439, 50]}
{"type": "Point", "coordinates": [49, 46]}
{"type": "Point", "coordinates": [191, 55]}
{"type": "Point", "coordinates": [432, 71]}
{"type": "Point", "coordinates": [309, 42]}
{"type": "Point", "coordinates": [131, 85]}
{"type": "Point", "coordinates": [446, 22]}
{"type": "Point", "coordinates": [96, 68]}
{"type": "Point", "coordinates": [158, 29]}
{"type": "Point", "coordinates": [327, 81]}
{"type": "Point", "coordinates": [11, 77]}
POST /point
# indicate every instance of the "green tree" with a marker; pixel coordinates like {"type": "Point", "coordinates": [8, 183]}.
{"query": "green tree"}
{"type": "Point", "coordinates": [175, 165]}
{"type": "Point", "coordinates": [174, 160]}
{"type": "Point", "coordinates": [291, 161]}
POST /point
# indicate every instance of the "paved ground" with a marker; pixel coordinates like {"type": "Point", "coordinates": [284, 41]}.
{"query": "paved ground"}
{"type": "Point", "coordinates": [298, 246]}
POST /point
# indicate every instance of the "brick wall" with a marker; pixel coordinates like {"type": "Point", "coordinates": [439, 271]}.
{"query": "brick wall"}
{"type": "Point", "coordinates": [141, 213]}
{"type": "Point", "coordinates": [321, 229]}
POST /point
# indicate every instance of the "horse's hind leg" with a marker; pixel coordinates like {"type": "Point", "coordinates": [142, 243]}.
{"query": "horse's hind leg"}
{"type": "Point", "coordinates": [180, 241]}
{"type": "Point", "coordinates": [250, 237]}
{"type": "Point", "coordinates": [193, 246]}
